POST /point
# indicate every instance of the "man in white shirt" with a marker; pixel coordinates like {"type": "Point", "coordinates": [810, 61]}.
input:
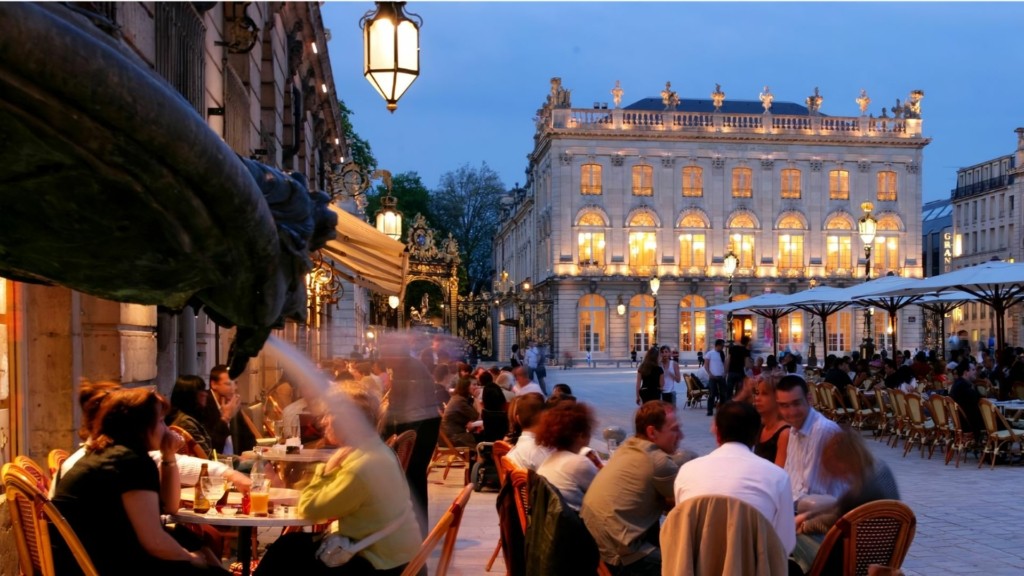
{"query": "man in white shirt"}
{"type": "Point", "coordinates": [672, 375]}
{"type": "Point", "coordinates": [714, 365]}
{"type": "Point", "coordinates": [807, 435]}
{"type": "Point", "coordinates": [734, 470]}
{"type": "Point", "coordinates": [527, 453]}
{"type": "Point", "coordinates": [523, 383]}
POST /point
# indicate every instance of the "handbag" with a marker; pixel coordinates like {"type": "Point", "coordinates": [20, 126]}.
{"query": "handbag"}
{"type": "Point", "coordinates": [336, 550]}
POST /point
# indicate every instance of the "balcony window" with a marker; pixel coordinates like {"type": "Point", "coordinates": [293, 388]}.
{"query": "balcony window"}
{"type": "Point", "coordinates": [643, 177]}
{"type": "Point", "coordinates": [886, 186]}
{"type": "Point", "coordinates": [838, 254]}
{"type": "Point", "coordinates": [791, 251]}
{"type": "Point", "coordinates": [742, 245]}
{"type": "Point", "coordinates": [591, 248]}
{"type": "Point", "coordinates": [839, 185]}
{"type": "Point", "coordinates": [693, 182]}
{"type": "Point", "coordinates": [742, 182]}
{"type": "Point", "coordinates": [590, 179]}
{"type": "Point", "coordinates": [790, 185]}
{"type": "Point", "coordinates": [691, 250]}
{"type": "Point", "coordinates": [643, 248]}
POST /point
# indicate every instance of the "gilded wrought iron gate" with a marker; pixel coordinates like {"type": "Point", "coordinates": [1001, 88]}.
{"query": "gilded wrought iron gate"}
{"type": "Point", "coordinates": [473, 324]}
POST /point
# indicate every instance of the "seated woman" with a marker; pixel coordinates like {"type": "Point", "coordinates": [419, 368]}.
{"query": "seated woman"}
{"type": "Point", "coordinates": [773, 442]}
{"type": "Point", "coordinates": [494, 413]}
{"type": "Point", "coordinates": [458, 414]}
{"type": "Point", "coordinates": [363, 487]}
{"type": "Point", "coordinates": [188, 400]}
{"type": "Point", "coordinates": [845, 457]}
{"type": "Point", "coordinates": [565, 428]}
{"type": "Point", "coordinates": [114, 495]}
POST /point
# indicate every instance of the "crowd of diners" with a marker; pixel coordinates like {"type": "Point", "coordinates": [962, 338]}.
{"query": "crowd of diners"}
{"type": "Point", "coordinates": [776, 452]}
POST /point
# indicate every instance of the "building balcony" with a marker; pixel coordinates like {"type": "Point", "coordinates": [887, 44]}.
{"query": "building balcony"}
{"type": "Point", "coordinates": [969, 190]}
{"type": "Point", "coordinates": [591, 268]}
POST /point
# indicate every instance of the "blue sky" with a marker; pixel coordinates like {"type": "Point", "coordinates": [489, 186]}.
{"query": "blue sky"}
{"type": "Point", "coordinates": [485, 69]}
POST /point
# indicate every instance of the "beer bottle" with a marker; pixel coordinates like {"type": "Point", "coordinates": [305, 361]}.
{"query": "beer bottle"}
{"type": "Point", "coordinates": [201, 504]}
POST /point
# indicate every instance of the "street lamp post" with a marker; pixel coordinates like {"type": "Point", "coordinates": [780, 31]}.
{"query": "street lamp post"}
{"type": "Point", "coordinates": [655, 284]}
{"type": "Point", "coordinates": [729, 265]}
{"type": "Point", "coordinates": [867, 226]}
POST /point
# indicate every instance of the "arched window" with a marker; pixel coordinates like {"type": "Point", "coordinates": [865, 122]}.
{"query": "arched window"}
{"type": "Point", "coordinates": [590, 179]}
{"type": "Point", "coordinates": [692, 241]}
{"type": "Point", "coordinates": [693, 181]}
{"type": "Point", "coordinates": [885, 256]}
{"type": "Point", "coordinates": [593, 322]}
{"type": "Point", "coordinates": [641, 322]}
{"type": "Point", "coordinates": [692, 220]}
{"type": "Point", "coordinates": [693, 324]}
{"type": "Point", "coordinates": [839, 244]}
{"type": "Point", "coordinates": [742, 220]}
{"type": "Point", "coordinates": [742, 183]}
{"type": "Point", "coordinates": [790, 185]}
{"type": "Point", "coordinates": [886, 186]}
{"type": "Point", "coordinates": [590, 239]}
{"type": "Point", "coordinates": [839, 185]}
{"type": "Point", "coordinates": [791, 222]}
{"type": "Point", "coordinates": [643, 246]}
{"type": "Point", "coordinates": [643, 180]}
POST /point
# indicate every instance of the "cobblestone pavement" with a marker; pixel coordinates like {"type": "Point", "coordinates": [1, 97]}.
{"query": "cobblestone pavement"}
{"type": "Point", "coordinates": [966, 518]}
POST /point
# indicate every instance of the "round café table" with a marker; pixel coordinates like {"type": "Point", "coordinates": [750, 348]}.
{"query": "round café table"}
{"type": "Point", "coordinates": [245, 524]}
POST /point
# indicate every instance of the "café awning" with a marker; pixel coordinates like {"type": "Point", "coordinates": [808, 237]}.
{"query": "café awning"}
{"type": "Point", "coordinates": [366, 257]}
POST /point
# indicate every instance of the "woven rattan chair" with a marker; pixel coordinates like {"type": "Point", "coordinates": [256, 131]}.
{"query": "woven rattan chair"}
{"type": "Point", "coordinates": [55, 459]}
{"type": "Point", "coordinates": [960, 440]}
{"type": "Point", "coordinates": [996, 439]}
{"type": "Point", "coordinates": [922, 429]}
{"type": "Point", "coordinates": [863, 417]}
{"type": "Point", "coordinates": [878, 532]}
{"type": "Point", "coordinates": [403, 446]}
{"type": "Point", "coordinates": [31, 514]}
{"type": "Point", "coordinates": [189, 447]}
{"type": "Point", "coordinates": [447, 529]}
{"type": "Point", "coordinates": [942, 431]}
{"type": "Point", "coordinates": [887, 426]}
{"type": "Point", "coordinates": [899, 406]}
{"type": "Point", "coordinates": [695, 394]}
{"type": "Point", "coordinates": [498, 451]}
{"type": "Point", "coordinates": [33, 469]}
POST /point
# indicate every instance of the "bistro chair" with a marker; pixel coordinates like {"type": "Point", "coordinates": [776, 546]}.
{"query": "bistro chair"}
{"type": "Point", "coordinates": [922, 431]}
{"type": "Point", "coordinates": [695, 393]}
{"type": "Point", "coordinates": [55, 459]}
{"type": "Point", "coordinates": [189, 447]}
{"type": "Point", "coordinates": [31, 513]}
{"type": "Point", "coordinates": [960, 440]}
{"type": "Point", "coordinates": [887, 424]}
{"type": "Point", "coordinates": [447, 529]}
{"type": "Point", "coordinates": [942, 432]}
{"type": "Point", "coordinates": [403, 446]}
{"type": "Point", "coordinates": [498, 451]}
{"type": "Point", "coordinates": [33, 469]}
{"type": "Point", "coordinates": [1017, 391]}
{"type": "Point", "coordinates": [450, 456]}
{"type": "Point", "coordinates": [878, 532]}
{"type": "Point", "coordinates": [899, 405]}
{"type": "Point", "coordinates": [995, 438]}
{"type": "Point", "coordinates": [863, 417]}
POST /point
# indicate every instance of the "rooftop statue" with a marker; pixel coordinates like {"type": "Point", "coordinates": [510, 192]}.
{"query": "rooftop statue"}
{"type": "Point", "coordinates": [617, 94]}
{"type": "Point", "coordinates": [718, 97]}
{"type": "Point", "coordinates": [863, 101]}
{"type": "Point", "coordinates": [766, 100]}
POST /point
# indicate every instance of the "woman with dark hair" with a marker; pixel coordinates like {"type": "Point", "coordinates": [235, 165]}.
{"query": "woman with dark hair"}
{"type": "Point", "coordinates": [116, 486]}
{"type": "Point", "coordinates": [188, 400]}
{"type": "Point", "coordinates": [494, 411]}
{"type": "Point", "coordinates": [458, 413]}
{"type": "Point", "coordinates": [650, 377]}
{"type": "Point", "coordinates": [565, 428]}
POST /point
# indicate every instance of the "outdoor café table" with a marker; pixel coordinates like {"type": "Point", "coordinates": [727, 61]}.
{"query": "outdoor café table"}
{"type": "Point", "coordinates": [245, 524]}
{"type": "Point", "coordinates": [306, 455]}
{"type": "Point", "coordinates": [1011, 406]}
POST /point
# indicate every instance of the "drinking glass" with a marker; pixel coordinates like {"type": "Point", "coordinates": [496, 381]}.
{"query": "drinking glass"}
{"type": "Point", "coordinates": [214, 489]}
{"type": "Point", "coordinates": [259, 498]}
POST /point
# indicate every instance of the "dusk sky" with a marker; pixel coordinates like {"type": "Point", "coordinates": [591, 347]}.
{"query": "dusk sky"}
{"type": "Point", "coordinates": [485, 70]}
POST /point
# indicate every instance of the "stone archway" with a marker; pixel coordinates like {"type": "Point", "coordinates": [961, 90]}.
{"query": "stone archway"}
{"type": "Point", "coordinates": [435, 263]}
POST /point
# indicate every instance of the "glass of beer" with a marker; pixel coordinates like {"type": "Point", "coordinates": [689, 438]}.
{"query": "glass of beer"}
{"type": "Point", "coordinates": [259, 498]}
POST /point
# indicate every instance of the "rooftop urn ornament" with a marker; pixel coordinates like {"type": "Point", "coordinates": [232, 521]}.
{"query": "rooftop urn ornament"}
{"type": "Point", "coordinates": [391, 50]}
{"type": "Point", "coordinates": [717, 97]}
{"type": "Point", "coordinates": [863, 101]}
{"type": "Point", "coordinates": [898, 109]}
{"type": "Point", "coordinates": [617, 94]}
{"type": "Point", "coordinates": [814, 102]}
{"type": "Point", "coordinates": [669, 98]}
{"type": "Point", "coordinates": [766, 100]}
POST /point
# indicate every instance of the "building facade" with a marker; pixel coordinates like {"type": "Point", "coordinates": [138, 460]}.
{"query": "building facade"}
{"type": "Point", "coordinates": [987, 224]}
{"type": "Point", "coordinates": [260, 76]}
{"type": "Point", "coordinates": [667, 188]}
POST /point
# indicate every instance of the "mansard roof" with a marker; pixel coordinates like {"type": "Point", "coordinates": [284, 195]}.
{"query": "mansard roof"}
{"type": "Point", "coordinates": [728, 107]}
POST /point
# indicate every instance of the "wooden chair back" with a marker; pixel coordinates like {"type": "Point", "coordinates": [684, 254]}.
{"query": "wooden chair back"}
{"type": "Point", "coordinates": [988, 416]}
{"type": "Point", "coordinates": [403, 446]}
{"type": "Point", "coordinates": [498, 452]}
{"type": "Point", "coordinates": [189, 447]}
{"type": "Point", "coordinates": [878, 532]}
{"type": "Point", "coordinates": [447, 529]}
{"type": "Point", "coordinates": [54, 460]}
{"type": "Point", "coordinates": [960, 439]}
{"type": "Point", "coordinates": [520, 478]}
{"type": "Point", "coordinates": [694, 392]}
{"type": "Point", "coordinates": [448, 454]}
{"type": "Point", "coordinates": [33, 469]}
{"type": "Point", "coordinates": [31, 511]}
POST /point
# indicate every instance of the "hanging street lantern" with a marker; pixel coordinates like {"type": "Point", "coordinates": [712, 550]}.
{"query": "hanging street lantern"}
{"type": "Point", "coordinates": [391, 50]}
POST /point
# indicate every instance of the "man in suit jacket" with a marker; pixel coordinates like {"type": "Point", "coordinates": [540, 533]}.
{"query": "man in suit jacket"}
{"type": "Point", "coordinates": [229, 424]}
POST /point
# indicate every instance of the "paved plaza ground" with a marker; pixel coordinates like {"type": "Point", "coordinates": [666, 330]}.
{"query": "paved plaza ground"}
{"type": "Point", "coordinates": [967, 519]}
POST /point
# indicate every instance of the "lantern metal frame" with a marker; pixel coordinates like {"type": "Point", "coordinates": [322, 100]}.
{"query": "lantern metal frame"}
{"type": "Point", "coordinates": [396, 14]}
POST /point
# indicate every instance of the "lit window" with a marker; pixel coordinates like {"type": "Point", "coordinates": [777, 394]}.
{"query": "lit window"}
{"type": "Point", "coordinates": [790, 183]}
{"type": "Point", "coordinates": [591, 248]}
{"type": "Point", "coordinates": [839, 332]}
{"type": "Point", "coordinates": [691, 250]}
{"type": "Point", "coordinates": [742, 220]}
{"type": "Point", "coordinates": [642, 249]}
{"type": "Point", "coordinates": [693, 324]}
{"type": "Point", "coordinates": [592, 323]}
{"type": "Point", "coordinates": [641, 321]}
{"type": "Point", "coordinates": [887, 186]}
{"type": "Point", "coordinates": [590, 179]}
{"type": "Point", "coordinates": [642, 218]}
{"type": "Point", "coordinates": [791, 251]}
{"type": "Point", "coordinates": [839, 185]}
{"type": "Point", "coordinates": [742, 245]}
{"type": "Point", "coordinates": [838, 253]}
{"type": "Point", "coordinates": [742, 183]}
{"type": "Point", "coordinates": [693, 181]}
{"type": "Point", "coordinates": [643, 177]}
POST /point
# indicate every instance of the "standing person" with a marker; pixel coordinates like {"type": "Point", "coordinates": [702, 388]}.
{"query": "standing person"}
{"type": "Point", "coordinates": [624, 504]}
{"type": "Point", "coordinates": [700, 358]}
{"type": "Point", "coordinates": [735, 367]}
{"type": "Point", "coordinates": [540, 370]}
{"type": "Point", "coordinates": [714, 365]}
{"type": "Point", "coordinates": [412, 405]}
{"type": "Point", "coordinates": [517, 357]}
{"type": "Point", "coordinates": [650, 378]}
{"type": "Point", "coordinates": [672, 376]}
{"type": "Point", "coordinates": [632, 357]}
{"type": "Point", "coordinates": [531, 361]}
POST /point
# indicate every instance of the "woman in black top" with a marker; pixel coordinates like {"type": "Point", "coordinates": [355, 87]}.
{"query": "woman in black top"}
{"type": "Point", "coordinates": [650, 378]}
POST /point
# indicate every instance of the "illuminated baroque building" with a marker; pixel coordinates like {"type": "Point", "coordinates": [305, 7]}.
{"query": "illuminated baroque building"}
{"type": "Point", "coordinates": [986, 225]}
{"type": "Point", "coordinates": [667, 187]}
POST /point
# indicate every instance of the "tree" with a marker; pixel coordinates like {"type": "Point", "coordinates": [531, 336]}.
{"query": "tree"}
{"type": "Point", "coordinates": [413, 198]}
{"type": "Point", "coordinates": [358, 149]}
{"type": "Point", "coordinates": [467, 204]}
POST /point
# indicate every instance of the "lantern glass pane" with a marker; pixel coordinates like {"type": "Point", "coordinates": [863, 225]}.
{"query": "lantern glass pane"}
{"type": "Point", "coordinates": [408, 46]}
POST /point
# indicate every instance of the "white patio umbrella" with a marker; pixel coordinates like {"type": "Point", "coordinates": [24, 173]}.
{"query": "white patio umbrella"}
{"type": "Point", "coordinates": [1000, 285]}
{"type": "Point", "coordinates": [771, 305]}
{"type": "Point", "coordinates": [822, 301]}
{"type": "Point", "coordinates": [879, 293]}
{"type": "Point", "coordinates": [943, 304]}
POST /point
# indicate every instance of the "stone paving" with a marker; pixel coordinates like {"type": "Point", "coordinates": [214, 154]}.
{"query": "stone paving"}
{"type": "Point", "coordinates": [967, 519]}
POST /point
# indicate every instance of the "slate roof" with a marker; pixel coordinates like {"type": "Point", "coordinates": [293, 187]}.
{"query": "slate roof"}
{"type": "Point", "coordinates": [936, 216]}
{"type": "Point", "coordinates": [728, 107]}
